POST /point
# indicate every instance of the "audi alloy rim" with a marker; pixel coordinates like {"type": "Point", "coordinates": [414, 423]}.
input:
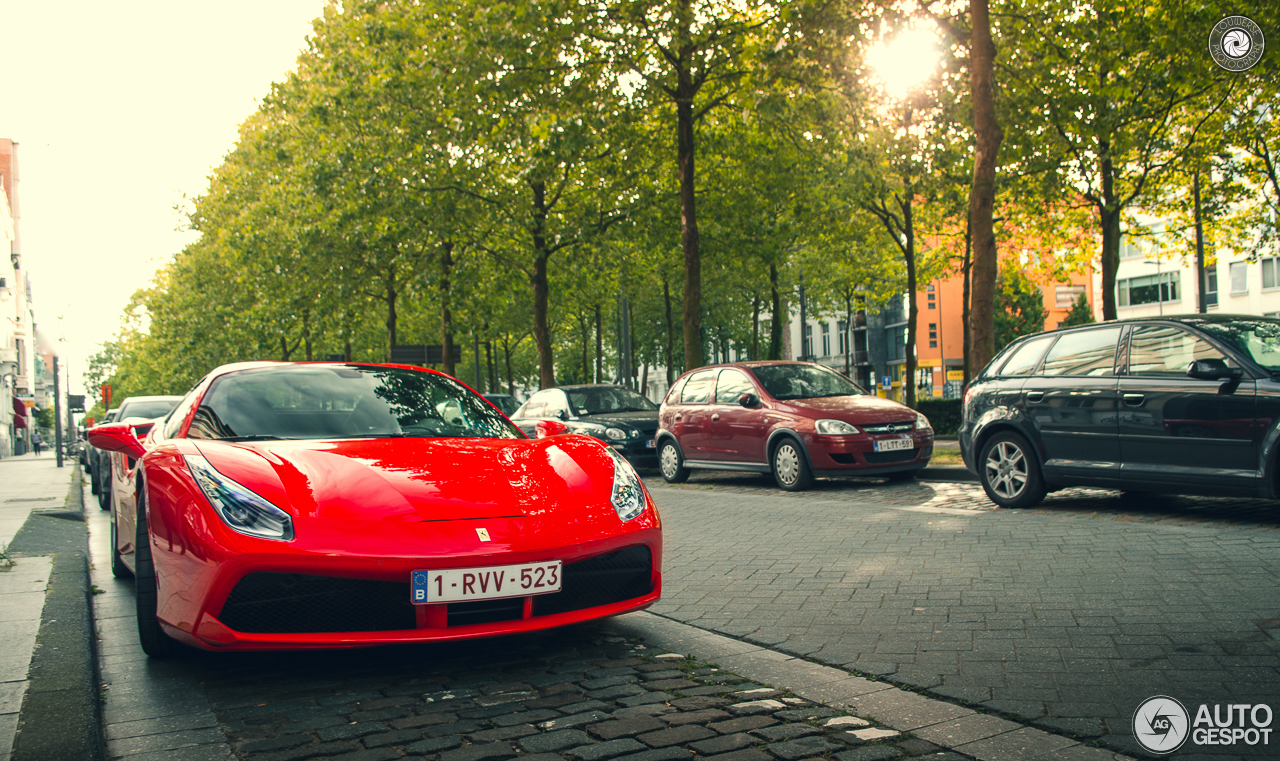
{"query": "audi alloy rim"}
{"type": "Point", "coordinates": [670, 461]}
{"type": "Point", "coordinates": [1006, 470]}
{"type": "Point", "coordinates": [787, 463]}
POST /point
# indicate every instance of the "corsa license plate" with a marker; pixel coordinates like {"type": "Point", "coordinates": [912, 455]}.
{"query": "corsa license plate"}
{"type": "Point", "coordinates": [894, 445]}
{"type": "Point", "coordinates": [491, 583]}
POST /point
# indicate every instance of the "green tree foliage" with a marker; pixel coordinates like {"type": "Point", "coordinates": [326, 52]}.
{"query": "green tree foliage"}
{"type": "Point", "coordinates": [1081, 313]}
{"type": "Point", "coordinates": [1019, 307]}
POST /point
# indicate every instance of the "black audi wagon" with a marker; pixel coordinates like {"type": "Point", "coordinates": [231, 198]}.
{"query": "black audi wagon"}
{"type": "Point", "coordinates": [1182, 404]}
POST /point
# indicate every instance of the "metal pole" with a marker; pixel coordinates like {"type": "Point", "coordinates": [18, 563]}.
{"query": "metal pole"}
{"type": "Point", "coordinates": [804, 320]}
{"type": "Point", "coordinates": [1201, 285]}
{"type": "Point", "coordinates": [57, 412]}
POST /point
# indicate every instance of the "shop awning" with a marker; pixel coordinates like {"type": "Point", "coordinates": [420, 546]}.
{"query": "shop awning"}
{"type": "Point", "coordinates": [19, 413]}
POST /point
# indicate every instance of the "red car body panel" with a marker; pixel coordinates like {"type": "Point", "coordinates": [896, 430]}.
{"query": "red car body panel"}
{"type": "Point", "coordinates": [376, 510]}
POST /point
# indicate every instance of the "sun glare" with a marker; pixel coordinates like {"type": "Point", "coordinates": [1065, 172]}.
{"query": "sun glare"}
{"type": "Point", "coordinates": [905, 61]}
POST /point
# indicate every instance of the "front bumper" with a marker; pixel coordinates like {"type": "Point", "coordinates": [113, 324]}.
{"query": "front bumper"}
{"type": "Point", "coordinates": [856, 455]}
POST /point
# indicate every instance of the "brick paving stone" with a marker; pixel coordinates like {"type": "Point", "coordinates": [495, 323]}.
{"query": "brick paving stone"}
{"type": "Point", "coordinates": [695, 717]}
{"type": "Point", "coordinates": [699, 702]}
{"type": "Point", "coordinates": [671, 684]}
{"type": "Point", "coordinates": [350, 731]}
{"type": "Point", "coordinates": [434, 744]}
{"type": "Point", "coordinates": [309, 751]}
{"type": "Point", "coordinates": [659, 754]}
{"type": "Point", "coordinates": [675, 736]}
{"type": "Point", "coordinates": [755, 707]}
{"type": "Point", "coordinates": [396, 737]}
{"type": "Point", "coordinates": [605, 750]}
{"type": "Point", "coordinates": [502, 733]}
{"type": "Point", "coordinates": [644, 698]}
{"type": "Point", "coordinates": [664, 674]}
{"type": "Point", "coordinates": [274, 743]}
{"type": "Point", "coordinates": [872, 753]}
{"type": "Point", "coordinates": [366, 754]}
{"type": "Point", "coordinates": [483, 752]}
{"type": "Point", "coordinates": [552, 742]}
{"type": "Point", "coordinates": [747, 754]}
{"type": "Point", "coordinates": [609, 681]}
{"type": "Point", "coordinates": [629, 727]}
{"type": "Point", "coordinates": [786, 732]}
{"type": "Point", "coordinates": [555, 700]}
{"type": "Point", "coordinates": [424, 720]}
{"type": "Point", "coordinates": [617, 691]}
{"type": "Point", "coordinates": [804, 747]}
{"type": "Point", "coordinates": [743, 724]}
{"type": "Point", "coordinates": [723, 744]}
{"type": "Point", "coordinates": [525, 717]}
{"type": "Point", "coordinates": [576, 720]}
{"type": "Point", "coordinates": [453, 728]}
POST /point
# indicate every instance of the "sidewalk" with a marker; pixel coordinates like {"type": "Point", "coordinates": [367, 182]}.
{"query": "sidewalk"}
{"type": "Point", "coordinates": [43, 577]}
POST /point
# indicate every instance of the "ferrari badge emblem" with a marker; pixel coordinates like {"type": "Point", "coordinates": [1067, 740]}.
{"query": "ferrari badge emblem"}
{"type": "Point", "coordinates": [483, 533]}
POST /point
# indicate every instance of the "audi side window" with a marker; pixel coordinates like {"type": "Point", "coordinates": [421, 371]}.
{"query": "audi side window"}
{"type": "Point", "coordinates": [1025, 359]}
{"type": "Point", "coordinates": [1166, 352]}
{"type": "Point", "coordinates": [1085, 352]}
{"type": "Point", "coordinates": [697, 390]}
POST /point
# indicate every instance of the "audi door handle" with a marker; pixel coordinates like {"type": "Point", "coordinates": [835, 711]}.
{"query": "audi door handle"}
{"type": "Point", "coordinates": [1035, 396]}
{"type": "Point", "coordinates": [1134, 400]}
{"type": "Point", "coordinates": [679, 417]}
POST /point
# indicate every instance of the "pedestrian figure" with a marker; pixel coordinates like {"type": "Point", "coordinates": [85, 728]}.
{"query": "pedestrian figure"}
{"type": "Point", "coordinates": [36, 441]}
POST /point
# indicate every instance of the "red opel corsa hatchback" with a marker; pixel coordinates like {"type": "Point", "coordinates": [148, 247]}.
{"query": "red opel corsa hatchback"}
{"type": "Point", "coordinates": [341, 505]}
{"type": "Point", "coordinates": [796, 420]}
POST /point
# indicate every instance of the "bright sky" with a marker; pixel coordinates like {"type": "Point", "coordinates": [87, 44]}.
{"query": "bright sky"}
{"type": "Point", "coordinates": [905, 59]}
{"type": "Point", "coordinates": [120, 110]}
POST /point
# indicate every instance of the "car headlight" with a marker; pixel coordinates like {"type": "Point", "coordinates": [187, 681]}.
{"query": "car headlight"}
{"type": "Point", "coordinates": [617, 434]}
{"type": "Point", "coordinates": [240, 508]}
{"type": "Point", "coordinates": [627, 496]}
{"type": "Point", "coordinates": [831, 427]}
{"type": "Point", "coordinates": [922, 423]}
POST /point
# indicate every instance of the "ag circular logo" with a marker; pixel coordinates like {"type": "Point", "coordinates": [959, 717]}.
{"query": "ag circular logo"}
{"type": "Point", "coordinates": [1236, 43]}
{"type": "Point", "coordinates": [1160, 724]}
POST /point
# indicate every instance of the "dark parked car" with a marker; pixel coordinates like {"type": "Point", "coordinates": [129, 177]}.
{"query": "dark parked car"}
{"type": "Point", "coordinates": [616, 415]}
{"type": "Point", "coordinates": [505, 402]}
{"type": "Point", "coordinates": [796, 420]}
{"type": "Point", "coordinates": [145, 407]}
{"type": "Point", "coordinates": [94, 457]}
{"type": "Point", "coordinates": [1163, 404]}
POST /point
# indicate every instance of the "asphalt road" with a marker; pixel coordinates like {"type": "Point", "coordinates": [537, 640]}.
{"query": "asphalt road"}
{"type": "Point", "coordinates": [1065, 617]}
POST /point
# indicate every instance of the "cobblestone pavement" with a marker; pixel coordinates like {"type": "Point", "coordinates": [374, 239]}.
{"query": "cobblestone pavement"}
{"type": "Point", "coordinates": [1068, 615]}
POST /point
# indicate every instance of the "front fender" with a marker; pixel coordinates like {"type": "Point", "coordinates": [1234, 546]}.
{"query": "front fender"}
{"type": "Point", "coordinates": [790, 433]}
{"type": "Point", "coordinates": [1268, 453]}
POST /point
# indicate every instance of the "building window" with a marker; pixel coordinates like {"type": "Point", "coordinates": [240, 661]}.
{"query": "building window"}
{"type": "Point", "coordinates": [1239, 277]}
{"type": "Point", "coordinates": [933, 344]}
{"type": "Point", "coordinates": [1129, 250]}
{"type": "Point", "coordinates": [932, 296]}
{"type": "Point", "coordinates": [808, 341]}
{"type": "Point", "coordinates": [1148, 289]}
{"type": "Point", "coordinates": [1211, 285]}
{"type": "Point", "coordinates": [897, 343]}
{"type": "Point", "coordinates": [826, 339]}
{"type": "Point", "coordinates": [843, 340]}
{"type": "Point", "coordinates": [1271, 272]}
{"type": "Point", "coordinates": [1066, 295]}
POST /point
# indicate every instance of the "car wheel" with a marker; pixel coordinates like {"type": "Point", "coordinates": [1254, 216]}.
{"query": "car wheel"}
{"type": "Point", "coordinates": [155, 642]}
{"type": "Point", "coordinates": [671, 463]}
{"type": "Point", "coordinates": [104, 495]}
{"type": "Point", "coordinates": [1009, 472]}
{"type": "Point", "coordinates": [790, 468]}
{"type": "Point", "coordinates": [93, 481]}
{"type": "Point", "coordinates": [118, 568]}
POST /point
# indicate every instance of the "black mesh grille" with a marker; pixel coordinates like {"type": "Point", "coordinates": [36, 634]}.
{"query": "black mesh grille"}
{"type": "Point", "coordinates": [901, 455]}
{"type": "Point", "coordinates": [291, 602]}
{"type": "Point", "coordinates": [844, 458]}
{"type": "Point", "coordinates": [485, 611]}
{"type": "Point", "coordinates": [615, 577]}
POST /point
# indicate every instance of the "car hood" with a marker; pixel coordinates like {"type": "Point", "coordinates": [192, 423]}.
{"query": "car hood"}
{"type": "Point", "coordinates": [862, 410]}
{"type": "Point", "coordinates": [639, 419]}
{"type": "Point", "coordinates": [416, 480]}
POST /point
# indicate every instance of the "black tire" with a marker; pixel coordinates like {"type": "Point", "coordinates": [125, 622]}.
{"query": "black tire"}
{"type": "Point", "coordinates": [671, 463]}
{"type": "Point", "coordinates": [118, 568]}
{"type": "Point", "coordinates": [790, 466]}
{"type": "Point", "coordinates": [104, 495]}
{"type": "Point", "coordinates": [1009, 471]}
{"type": "Point", "coordinates": [93, 480]}
{"type": "Point", "coordinates": [155, 643]}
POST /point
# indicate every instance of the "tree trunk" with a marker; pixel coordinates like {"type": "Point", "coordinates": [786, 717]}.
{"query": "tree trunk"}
{"type": "Point", "coordinates": [584, 327]}
{"type": "Point", "coordinates": [1109, 211]}
{"type": "Point", "coordinates": [306, 332]}
{"type": "Point", "coordinates": [848, 334]}
{"type": "Point", "coordinates": [755, 326]}
{"type": "Point", "coordinates": [775, 314]}
{"type": "Point", "coordinates": [685, 92]}
{"type": "Point", "coordinates": [671, 333]}
{"type": "Point", "coordinates": [541, 332]}
{"type": "Point", "coordinates": [390, 298]}
{"type": "Point", "coordinates": [644, 378]}
{"type": "Point", "coordinates": [493, 371]}
{"type": "Point", "coordinates": [966, 310]}
{"type": "Point", "coordinates": [982, 194]}
{"type": "Point", "coordinates": [599, 348]}
{"type": "Point", "coordinates": [511, 380]}
{"type": "Point", "coordinates": [913, 310]}
{"type": "Point", "coordinates": [446, 313]}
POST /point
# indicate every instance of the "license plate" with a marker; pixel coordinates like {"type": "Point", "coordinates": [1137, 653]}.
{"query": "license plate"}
{"type": "Point", "coordinates": [893, 445]}
{"type": "Point", "coordinates": [651, 443]}
{"type": "Point", "coordinates": [491, 583]}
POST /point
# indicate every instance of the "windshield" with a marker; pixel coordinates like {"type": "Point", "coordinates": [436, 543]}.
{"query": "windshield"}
{"type": "Point", "coordinates": [343, 402]}
{"type": "Point", "coordinates": [607, 399]}
{"type": "Point", "coordinates": [804, 382]}
{"type": "Point", "coordinates": [1258, 339]}
{"type": "Point", "coordinates": [150, 409]}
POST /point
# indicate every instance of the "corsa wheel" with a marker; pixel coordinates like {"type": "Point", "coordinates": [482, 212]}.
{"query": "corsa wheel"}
{"type": "Point", "coordinates": [1009, 472]}
{"type": "Point", "coordinates": [671, 463]}
{"type": "Point", "coordinates": [154, 641]}
{"type": "Point", "coordinates": [790, 468]}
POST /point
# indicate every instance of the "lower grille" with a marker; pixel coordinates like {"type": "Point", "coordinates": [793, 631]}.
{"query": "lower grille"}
{"type": "Point", "coordinates": [609, 578]}
{"type": "Point", "coordinates": [901, 455]}
{"type": "Point", "coordinates": [279, 603]}
{"type": "Point", "coordinates": [485, 611]}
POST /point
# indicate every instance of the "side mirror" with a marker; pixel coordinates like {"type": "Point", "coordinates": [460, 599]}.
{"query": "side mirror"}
{"type": "Point", "coordinates": [750, 401]}
{"type": "Point", "coordinates": [545, 428]}
{"type": "Point", "coordinates": [117, 437]}
{"type": "Point", "coordinates": [1213, 369]}
{"type": "Point", "coordinates": [562, 415]}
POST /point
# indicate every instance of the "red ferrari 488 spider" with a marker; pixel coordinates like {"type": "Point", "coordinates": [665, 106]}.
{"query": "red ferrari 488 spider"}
{"type": "Point", "coordinates": [339, 505]}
